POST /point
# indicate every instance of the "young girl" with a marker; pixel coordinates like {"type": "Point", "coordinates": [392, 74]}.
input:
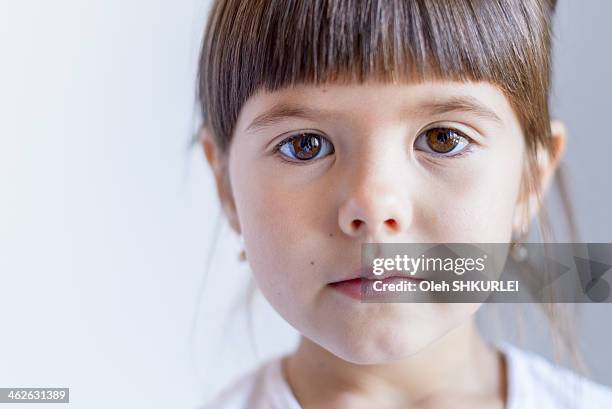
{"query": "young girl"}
{"type": "Point", "coordinates": [332, 123]}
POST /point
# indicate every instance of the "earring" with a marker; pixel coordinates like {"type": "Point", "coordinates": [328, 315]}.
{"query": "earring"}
{"type": "Point", "coordinates": [242, 254]}
{"type": "Point", "coordinates": [518, 250]}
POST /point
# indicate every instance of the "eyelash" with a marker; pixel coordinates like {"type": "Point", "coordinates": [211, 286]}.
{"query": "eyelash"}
{"type": "Point", "coordinates": [466, 151]}
{"type": "Point", "coordinates": [278, 146]}
{"type": "Point", "coordinates": [468, 148]}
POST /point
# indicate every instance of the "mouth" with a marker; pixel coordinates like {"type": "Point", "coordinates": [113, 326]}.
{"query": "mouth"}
{"type": "Point", "coordinates": [360, 283]}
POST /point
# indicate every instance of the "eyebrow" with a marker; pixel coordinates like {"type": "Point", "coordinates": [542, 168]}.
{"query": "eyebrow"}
{"type": "Point", "coordinates": [283, 111]}
{"type": "Point", "coordinates": [458, 104]}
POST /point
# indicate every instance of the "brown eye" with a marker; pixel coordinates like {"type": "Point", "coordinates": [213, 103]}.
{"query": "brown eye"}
{"type": "Point", "coordinates": [442, 141]}
{"type": "Point", "coordinates": [304, 146]}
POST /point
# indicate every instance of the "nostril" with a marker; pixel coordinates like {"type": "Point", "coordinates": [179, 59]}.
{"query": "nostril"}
{"type": "Point", "coordinates": [356, 223]}
{"type": "Point", "coordinates": [392, 223]}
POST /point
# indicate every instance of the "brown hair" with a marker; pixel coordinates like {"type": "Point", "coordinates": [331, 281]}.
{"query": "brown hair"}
{"type": "Point", "coordinates": [270, 44]}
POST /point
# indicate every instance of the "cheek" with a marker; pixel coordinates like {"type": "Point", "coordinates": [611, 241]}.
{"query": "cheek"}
{"type": "Point", "coordinates": [475, 203]}
{"type": "Point", "coordinates": [282, 242]}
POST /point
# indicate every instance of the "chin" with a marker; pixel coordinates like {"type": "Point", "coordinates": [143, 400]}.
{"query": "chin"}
{"type": "Point", "coordinates": [369, 346]}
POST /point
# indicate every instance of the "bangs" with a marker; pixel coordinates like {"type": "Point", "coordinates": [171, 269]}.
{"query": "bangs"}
{"type": "Point", "coordinates": [273, 44]}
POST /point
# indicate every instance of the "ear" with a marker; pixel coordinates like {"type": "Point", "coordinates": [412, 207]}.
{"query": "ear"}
{"type": "Point", "coordinates": [218, 164]}
{"type": "Point", "coordinates": [548, 161]}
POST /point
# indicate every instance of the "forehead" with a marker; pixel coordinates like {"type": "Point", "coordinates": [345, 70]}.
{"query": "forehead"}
{"type": "Point", "coordinates": [377, 102]}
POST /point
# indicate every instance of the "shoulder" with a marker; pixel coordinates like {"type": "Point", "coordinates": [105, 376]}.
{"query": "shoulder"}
{"type": "Point", "coordinates": [262, 388]}
{"type": "Point", "coordinates": [533, 380]}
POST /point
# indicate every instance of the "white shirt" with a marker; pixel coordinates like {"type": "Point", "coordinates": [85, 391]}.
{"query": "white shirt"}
{"type": "Point", "coordinates": [533, 383]}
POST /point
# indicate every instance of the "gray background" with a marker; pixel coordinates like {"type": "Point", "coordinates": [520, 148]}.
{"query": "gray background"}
{"type": "Point", "coordinates": [106, 217]}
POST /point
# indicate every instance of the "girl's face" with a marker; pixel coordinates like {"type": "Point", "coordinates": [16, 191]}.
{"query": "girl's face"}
{"type": "Point", "coordinates": [435, 162]}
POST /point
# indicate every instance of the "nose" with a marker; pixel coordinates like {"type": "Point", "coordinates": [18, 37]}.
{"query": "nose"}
{"type": "Point", "coordinates": [377, 207]}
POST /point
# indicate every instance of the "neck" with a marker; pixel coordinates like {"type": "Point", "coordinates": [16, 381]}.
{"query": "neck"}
{"type": "Point", "coordinates": [459, 363]}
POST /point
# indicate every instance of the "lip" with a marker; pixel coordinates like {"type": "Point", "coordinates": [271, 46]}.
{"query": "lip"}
{"type": "Point", "coordinates": [362, 280]}
{"type": "Point", "coordinates": [368, 274]}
